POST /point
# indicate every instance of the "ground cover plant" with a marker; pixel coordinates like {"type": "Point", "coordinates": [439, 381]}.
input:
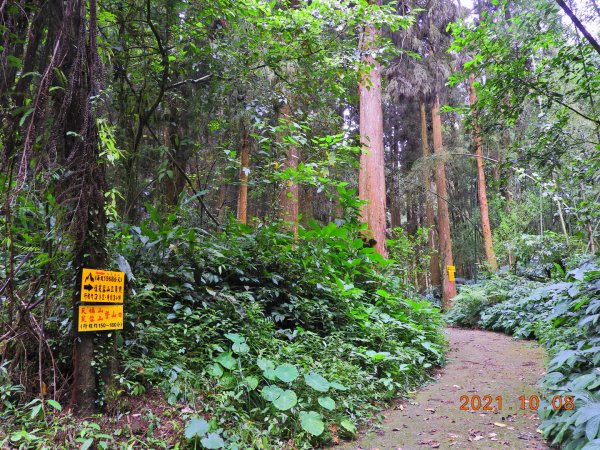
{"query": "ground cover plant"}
{"type": "Point", "coordinates": [261, 339]}
{"type": "Point", "coordinates": [563, 315]}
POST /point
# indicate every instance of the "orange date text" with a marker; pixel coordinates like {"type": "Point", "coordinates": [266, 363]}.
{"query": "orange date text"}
{"type": "Point", "coordinates": [532, 403]}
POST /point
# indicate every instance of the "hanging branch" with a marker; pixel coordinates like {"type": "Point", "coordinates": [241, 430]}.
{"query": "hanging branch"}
{"type": "Point", "coordinates": [593, 42]}
{"type": "Point", "coordinates": [187, 179]}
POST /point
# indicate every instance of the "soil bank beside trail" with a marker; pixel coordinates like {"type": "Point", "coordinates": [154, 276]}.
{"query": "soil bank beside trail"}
{"type": "Point", "coordinates": [480, 363]}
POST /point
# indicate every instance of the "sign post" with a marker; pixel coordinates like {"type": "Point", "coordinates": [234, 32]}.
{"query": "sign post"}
{"type": "Point", "coordinates": [99, 287]}
{"type": "Point", "coordinates": [451, 272]}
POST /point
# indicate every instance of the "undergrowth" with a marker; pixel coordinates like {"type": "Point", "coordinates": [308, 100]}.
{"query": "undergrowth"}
{"type": "Point", "coordinates": [563, 314]}
{"type": "Point", "coordinates": [259, 340]}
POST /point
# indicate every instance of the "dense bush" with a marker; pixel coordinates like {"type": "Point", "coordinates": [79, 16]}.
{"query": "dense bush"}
{"type": "Point", "coordinates": [563, 315]}
{"type": "Point", "coordinates": [268, 340]}
{"type": "Point", "coordinates": [257, 303]}
{"type": "Point", "coordinates": [472, 300]}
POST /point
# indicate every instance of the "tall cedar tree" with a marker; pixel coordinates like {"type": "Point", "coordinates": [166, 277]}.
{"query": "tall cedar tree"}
{"type": "Point", "coordinates": [242, 203]}
{"type": "Point", "coordinates": [448, 287]}
{"type": "Point", "coordinates": [371, 178]}
{"type": "Point", "coordinates": [288, 198]}
{"type": "Point", "coordinates": [488, 244]}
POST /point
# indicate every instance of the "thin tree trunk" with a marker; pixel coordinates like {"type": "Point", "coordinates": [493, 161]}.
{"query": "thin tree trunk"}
{"type": "Point", "coordinates": [308, 204]}
{"type": "Point", "coordinates": [434, 261]}
{"type": "Point", "coordinates": [371, 178]}
{"type": "Point", "coordinates": [448, 287]}
{"type": "Point", "coordinates": [288, 198]}
{"type": "Point", "coordinates": [488, 244]}
{"type": "Point", "coordinates": [221, 207]}
{"type": "Point", "coordinates": [579, 25]}
{"type": "Point", "coordinates": [561, 216]}
{"type": "Point", "coordinates": [242, 204]}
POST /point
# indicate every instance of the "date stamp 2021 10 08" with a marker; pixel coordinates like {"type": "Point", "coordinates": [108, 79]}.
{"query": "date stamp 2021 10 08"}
{"type": "Point", "coordinates": [531, 403]}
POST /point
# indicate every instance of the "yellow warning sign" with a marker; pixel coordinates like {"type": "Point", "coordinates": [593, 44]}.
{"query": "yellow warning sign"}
{"type": "Point", "coordinates": [102, 286]}
{"type": "Point", "coordinates": [451, 271]}
{"type": "Point", "coordinates": [100, 318]}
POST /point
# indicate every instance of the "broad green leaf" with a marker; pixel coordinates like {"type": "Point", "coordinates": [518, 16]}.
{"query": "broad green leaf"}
{"type": "Point", "coordinates": [35, 411]}
{"type": "Point", "coordinates": [228, 381]}
{"type": "Point", "coordinates": [215, 370]}
{"type": "Point", "coordinates": [587, 412]}
{"type": "Point", "coordinates": [226, 360]}
{"type": "Point", "coordinates": [286, 400]}
{"type": "Point", "coordinates": [317, 382]}
{"type": "Point", "coordinates": [87, 444]}
{"type": "Point", "coordinates": [312, 422]}
{"type": "Point", "coordinates": [592, 428]}
{"type": "Point", "coordinates": [286, 373]}
{"type": "Point", "coordinates": [240, 348]}
{"type": "Point", "coordinates": [265, 364]}
{"type": "Point", "coordinates": [338, 386]}
{"type": "Point", "coordinates": [235, 337]}
{"type": "Point", "coordinates": [55, 405]}
{"type": "Point", "coordinates": [327, 403]}
{"type": "Point", "coordinates": [251, 382]}
{"type": "Point", "coordinates": [268, 368]}
{"type": "Point", "coordinates": [213, 440]}
{"type": "Point", "coordinates": [348, 426]}
{"type": "Point", "coordinates": [196, 428]}
{"type": "Point", "coordinates": [271, 393]}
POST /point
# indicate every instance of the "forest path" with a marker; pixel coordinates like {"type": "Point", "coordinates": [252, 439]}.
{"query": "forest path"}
{"type": "Point", "coordinates": [479, 363]}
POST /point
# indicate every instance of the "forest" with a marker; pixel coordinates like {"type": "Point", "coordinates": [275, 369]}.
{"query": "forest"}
{"type": "Point", "coordinates": [295, 224]}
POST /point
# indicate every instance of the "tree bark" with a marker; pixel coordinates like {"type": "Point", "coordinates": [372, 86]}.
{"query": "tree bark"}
{"type": "Point", "coordinates": [308, 204]}
{"type": "Point", "coordinates": [488, 244]}
{"type": "Point", "coordinates": [242, 204]}
{"type": "Point", "coordinates": [371, 178]}
{"type": "Point", "coordinates": [288, 197]}
{"type": "Point", "coordinates": [448, 287]}
{"type": "Point", "coordinates": [87, 216]}
{"type": "Point", "coordinates": [434, 261]}
{"type": "Point", "coordinates": [221, 200]}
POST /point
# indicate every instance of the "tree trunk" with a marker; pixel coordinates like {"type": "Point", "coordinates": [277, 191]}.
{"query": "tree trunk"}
{"type": "Point", "coordinates": [87, 223]}
{"type": "Point", "coordinates": [308, 204]}
{"type": "Point", "coordinates": [221, 206]}
{"type": "Point", "coordinates": [371, 178]}
{"type": "Point", "coordinates": [242, 205]}
{"type": "Point", "coordinates": [448, 287]}
{"type": "Point", "coordinates": [488, 244]}
{"type": "Point", "coordinates": [288, 197]}
{"type": "Point", "coordinates": [434, 261]}
{"type": "Point", "coordinates": [579, 25]}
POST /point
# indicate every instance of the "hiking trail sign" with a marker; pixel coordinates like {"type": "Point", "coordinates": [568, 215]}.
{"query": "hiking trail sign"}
{"type": "Point", "coordinates": [102, 286]}
{"type": "Point", "coordinates": [99, 287]}
{"type": "Point", "coordinates": [451, 272]}
{"type": "Point", "coordinates": [100, 318]}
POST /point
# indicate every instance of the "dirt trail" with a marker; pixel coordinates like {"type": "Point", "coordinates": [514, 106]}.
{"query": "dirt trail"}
{"type": "Point", "coordinates": [479, 363]}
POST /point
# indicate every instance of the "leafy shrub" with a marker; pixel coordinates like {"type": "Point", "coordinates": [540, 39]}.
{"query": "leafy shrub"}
{"type": "Point", "coordinates": [472, 300]}
{"type": "Point", "coordinates": [467, 306]}
{"type": "Point", "coordinates": [538, 256]}
{"type": "Point", "coordinates": [271, 339]}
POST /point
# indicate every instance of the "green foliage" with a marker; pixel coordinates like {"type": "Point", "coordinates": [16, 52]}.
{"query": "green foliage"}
{"type": "Point", "coordinates": [285, 336]}
{"type": "Point", "coordinates": [538, 89]}
{"type": "Point", "coordinates": [468, 305]}
{"type": "Point", "coordinates": [564, 317]}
